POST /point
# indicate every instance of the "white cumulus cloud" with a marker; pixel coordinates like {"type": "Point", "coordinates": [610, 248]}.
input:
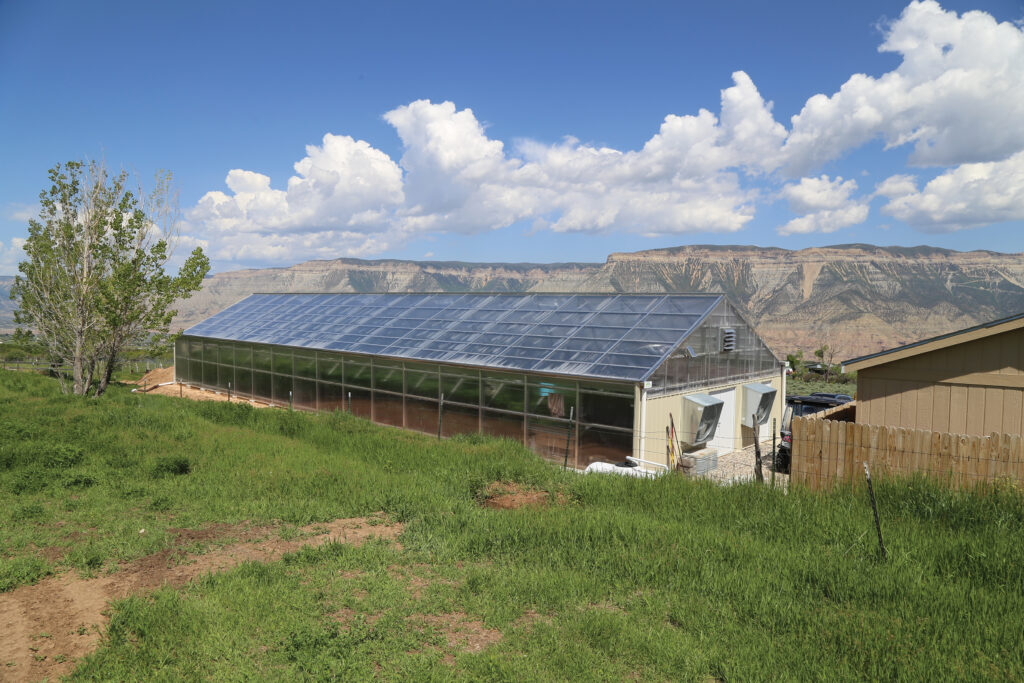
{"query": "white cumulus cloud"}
{"type": "Point", "coordinates": [11, 255]}
{"type": "Point", "coordinates": [955, 101]}
{"type": "Point", "coordinates": [968, 196]}
{"type": "Point", "coordinates": [957, 96]}
{"type": "Point", "coordinates": [827, 205]}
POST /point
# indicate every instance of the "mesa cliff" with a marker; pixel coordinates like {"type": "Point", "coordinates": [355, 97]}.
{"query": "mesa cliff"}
{"type": "Point", "coordinates": [857, 298]}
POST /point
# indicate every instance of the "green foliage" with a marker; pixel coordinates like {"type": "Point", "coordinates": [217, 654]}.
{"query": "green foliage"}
{"type": "Point", "coordinates": [93, 281]}
{"type": "Point", "coordinates": [172, 465]}
{"type": "Point", "coordinates": [669, 579]}
{"type": "Point", "coordinates": [796, 386]}
{"type": "Point", "coordinates": [18, 571]}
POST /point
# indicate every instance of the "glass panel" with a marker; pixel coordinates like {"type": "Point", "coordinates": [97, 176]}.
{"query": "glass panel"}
{"type": "Point", "coordinates": [262, 385]}
{"type": "Point", "coordinates": [421, 415]}
{"type": "Point", "coordinates": [331, 397]}
{"type": "Point", "coordinates": [243, 380]}
{"type": "Point", "coordinates": [387, 376]}
{"type": "Point", "coordinates": [503, 391]}
{"type": "Point", "coordinates": [551, 439]}
{"type": "Point", "coordinates": [423, 384]}
{"type": "Point", "coordinates": [615, 411]}
{"type": "Point", "coordinates": [181, 369]}
{"type": "Point", "coordinates": [501, 424]}
{"type": "Point", "coordinates": [282, 387]}
{"type": "Point", "coordinates": [330, 367]}
{"type": "Point", "coordinates": [359, 401]}
{"type": "Point", "coordinates": [180, 349]}
{"type": "Point", "coordinates": [195, 371]}
{"type": "Point", "coordinates": [387, 408]}
{"type": "Point", "coordinates": [304, 393]}
{"type": "Point", "coordinates": [283, 361]}
{"type": "Point", "coordinates": [357, 372]}
{"type": "Point", "coordinates": [461, 388]}
{"type": "Point", "coordinates": [225, 376]}
{"type": "Point", "coordinates": [243, 355]}
{"type": "Point", "coordinates": [305, 365]}
{"type": "Point", "coordinates": [226, 353]}
{"type": "Point", "coordinates": [371, 323]}
{"type": "Point", "coordinates": [600, 444]}
{"type": "Point", "coordinates": [210, 374]}
{"type": "Point", "coordinates": [261, 359]}
{"type": "Point", "coordinates": [457, 419]}
{"type": "Point", "coordinates": [553, 399]}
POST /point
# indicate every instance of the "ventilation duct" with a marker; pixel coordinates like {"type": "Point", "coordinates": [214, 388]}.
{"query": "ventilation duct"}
{"type": "Point", "coordinates": [757, 401]}
{"type": "Point", "coordinates": [699, 419]}
{"type": "Point", "coordinates": [728, 339]}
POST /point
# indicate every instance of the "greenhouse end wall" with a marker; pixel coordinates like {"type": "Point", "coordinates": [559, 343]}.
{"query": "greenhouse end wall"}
{"type": "Point", "coordinates": [530, 408]}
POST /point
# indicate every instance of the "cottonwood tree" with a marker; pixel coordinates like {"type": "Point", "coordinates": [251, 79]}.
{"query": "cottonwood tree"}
{"type": "Point", "coordinates": [93, 282]}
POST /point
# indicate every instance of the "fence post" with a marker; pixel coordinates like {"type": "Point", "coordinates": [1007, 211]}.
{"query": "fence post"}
{"type": "Point", "coordinates": [758, 474]}
{"type": "Point", "coordinates": [568, 438]}
{"type": "Point", "coordinates": [874, 508]}
{"type": "Point", "coordinates": [440, 413]}
{"type": "Point", "coordinates": [775, 452]}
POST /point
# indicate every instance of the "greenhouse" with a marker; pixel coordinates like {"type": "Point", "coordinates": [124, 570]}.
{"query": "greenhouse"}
{"type": "Point", "coordinates": [579, 378]}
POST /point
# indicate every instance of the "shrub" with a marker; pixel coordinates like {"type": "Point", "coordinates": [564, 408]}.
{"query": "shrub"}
{"type": "Point", "coordinates": [81, 481]}
{"type": "Point", "coordinates": [17, 571]}
{"type": "Point", "coordinates": [60, 456]}
{"type": "Point", "coordinates": [171, 466]}
{"type": "Point", "coordinates": [29, 481]}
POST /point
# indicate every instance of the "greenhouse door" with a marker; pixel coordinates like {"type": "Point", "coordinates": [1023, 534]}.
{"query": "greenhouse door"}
{"type": "Point", "coordinates": [725, 434]}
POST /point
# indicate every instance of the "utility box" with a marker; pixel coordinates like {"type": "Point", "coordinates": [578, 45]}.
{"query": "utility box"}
{"type": "Point", "coordinates": [757, 401]}
{"type": "Point", "coordinates": [699, 419]}
{"type": "Point", "coordinates": [700, 462]}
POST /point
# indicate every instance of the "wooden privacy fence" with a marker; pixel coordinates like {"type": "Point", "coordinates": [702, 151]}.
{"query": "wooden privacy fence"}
{"type": "Point", "coordinates": [827, 452]}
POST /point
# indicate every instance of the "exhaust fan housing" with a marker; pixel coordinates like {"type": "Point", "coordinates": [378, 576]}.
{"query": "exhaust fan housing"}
{"type": "Point", "coordinates": [700, 418]}
{"type": "Point", "coordinates": [757, 400]}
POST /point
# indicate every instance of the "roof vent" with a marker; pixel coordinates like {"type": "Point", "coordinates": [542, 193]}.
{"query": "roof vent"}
{"type": "Point", "coordinates": [728, 339]}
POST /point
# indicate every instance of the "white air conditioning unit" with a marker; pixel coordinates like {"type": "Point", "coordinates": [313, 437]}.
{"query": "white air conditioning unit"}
{"type": "Point", "coordinates": [699, 419]}
{"type": "Point", "coordinates": [757, 401]}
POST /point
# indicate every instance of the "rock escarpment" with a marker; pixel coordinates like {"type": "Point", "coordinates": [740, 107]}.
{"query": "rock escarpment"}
{"type": "Point", "coordinates": [857, 298]}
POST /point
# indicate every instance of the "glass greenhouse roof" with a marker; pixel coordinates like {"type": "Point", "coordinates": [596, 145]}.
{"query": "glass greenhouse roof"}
{"type": "Point", "coordinates": [611, 336]}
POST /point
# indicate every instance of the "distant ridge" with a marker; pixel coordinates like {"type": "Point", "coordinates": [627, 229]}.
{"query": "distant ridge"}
{"type": "Point", "coordinates": [859, 298]}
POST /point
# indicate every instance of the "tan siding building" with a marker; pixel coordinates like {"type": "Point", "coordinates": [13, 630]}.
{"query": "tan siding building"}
{"type": "Point", "coordinates": [968, 382]}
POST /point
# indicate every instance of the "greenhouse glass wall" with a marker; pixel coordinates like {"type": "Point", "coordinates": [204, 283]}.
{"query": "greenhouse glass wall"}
{"type": "Point", "coordinates": [561, 373]}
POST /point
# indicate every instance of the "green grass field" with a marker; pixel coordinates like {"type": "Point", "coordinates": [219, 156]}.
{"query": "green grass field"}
{"type": "Point", "coordinates": [617, 578]}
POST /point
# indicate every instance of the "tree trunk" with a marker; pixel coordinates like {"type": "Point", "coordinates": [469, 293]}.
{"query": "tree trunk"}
{"type": "Point", "coordinates": [108, 371]}
{"type": "Point", "coordinates": [77, 369]}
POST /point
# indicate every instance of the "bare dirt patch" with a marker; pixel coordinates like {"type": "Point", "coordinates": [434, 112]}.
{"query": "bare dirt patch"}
{"type": "Point", "coordinates": [501, 495]}
{"type": "Point", "coordinates": [61, 617]}
{"type": "Point", "coordinates": [461, 632]}
{"type": "Point", "coordinates": [156, 376]}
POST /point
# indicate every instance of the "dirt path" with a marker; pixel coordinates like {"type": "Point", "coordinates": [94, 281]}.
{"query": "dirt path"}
{"type": "Point", "coordinates": [45, 628]}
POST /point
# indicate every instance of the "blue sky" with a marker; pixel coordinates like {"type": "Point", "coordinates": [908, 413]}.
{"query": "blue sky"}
{"type": "Point", "coordinates": [527, 131]}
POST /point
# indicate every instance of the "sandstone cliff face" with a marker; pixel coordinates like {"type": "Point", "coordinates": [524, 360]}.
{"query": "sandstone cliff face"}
{"type": "Point", "coordinates": [857, 298]}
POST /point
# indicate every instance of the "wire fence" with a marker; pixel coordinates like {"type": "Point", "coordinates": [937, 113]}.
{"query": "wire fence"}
{"type": "Point", "coordinates": [137, 366]}
{"type": "Point", "coordinates": [827, 453]}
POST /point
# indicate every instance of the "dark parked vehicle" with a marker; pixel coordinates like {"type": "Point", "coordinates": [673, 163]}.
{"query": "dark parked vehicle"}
{"type": "Point", "coordinates": [800, 406]}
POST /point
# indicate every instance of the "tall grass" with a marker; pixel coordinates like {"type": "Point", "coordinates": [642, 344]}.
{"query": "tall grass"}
{"type": "Point", "coordinates": [665, 579]}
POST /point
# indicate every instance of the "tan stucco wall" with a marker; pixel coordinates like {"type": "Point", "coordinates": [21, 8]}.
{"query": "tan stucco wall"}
{"type": "Point", "coordinates": [659, 408]}
{"type": "Point", "coordinates": [973, 388]}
